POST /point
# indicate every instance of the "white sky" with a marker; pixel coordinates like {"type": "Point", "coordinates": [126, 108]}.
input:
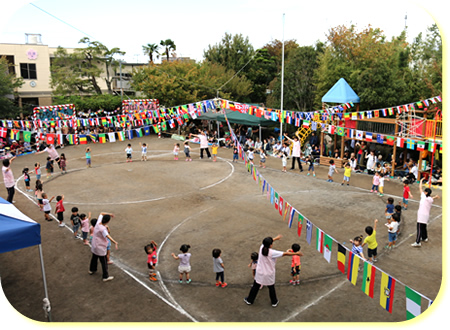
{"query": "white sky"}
{"type": "Point", "coordinates": [195, 24]}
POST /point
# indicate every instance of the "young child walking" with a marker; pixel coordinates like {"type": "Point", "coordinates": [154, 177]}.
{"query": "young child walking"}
{"type": "Point", "coordinates": [371, 241]}
{"type": "Point", "coordinates": [347, 174]}
{"type": "Point", "coordinates": [85, 227]}
{"type": "Point", "coordinates": [46, 206]}
{"type": "Point", "coordinates": [381, 186]}
{"type": "Point", "coordinates": [59, 210]}
{"type": "Point", "coordinates": [254, 262]}
{"type": "Point", "coordinates": [63, 163]}
{"type": "Point", "coordinates": [295, 264]}
{"type": "Point", "coordinates": [392, 226]}
{"type": "Point", "coordinates": [176, 150]}
{"type": "Point", "coordinates": [375, 182]}
{"type": "Point", "coordinates": [235, 154]}
{"type": "Point", "coordinates": [37, 170]}
{"type": "Point", "coordinates": [284, 161]}
{"type": "Point", "coordinates": [129, 152]}
{"type": "Point", "coordinates": [219, 268]}
{"type": "Point", "coordinates": [39, 190]}
{"type": "Point", "coordinates": [184, 267]}
{"type": "Point", "coordinates": [152, 260]}
{"type": "Point", "coordinates": [250, 154]}
{"type": "Point", "coordinates": [26, 178]}
{"type": "Point", "coordinates": [262, 158]}
{"type": "Point", "coordinates": [331, 170]}
{"type": "Point", "coordinates": [406, 195]}
{"type": "Point", "coordinates": [76, 222]}
{"type": "Point", "coordinates": [49, 167]}
{"type": "Point", "coordinates": [143, 152]}
{"type": "Point", "coordinates": [389, 211]}
{"type": "Point", "coordinates": [356, 246]}
{"type": "Point", "coordinates": [214, 149]}
{"type": "Point", "coordinates": [88, 157]}
{"type": "Point", "coordinates": [310, 164]}
{"type": "Point", "coordinates": [187, 151]}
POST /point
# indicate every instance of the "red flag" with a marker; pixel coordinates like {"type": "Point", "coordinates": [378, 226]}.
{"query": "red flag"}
{"type": "Point", "coordinates": [50, 138]}
{"type": "Point", "coordinates": [3, 132]}
{"type": "Point", "coordinates": [280, 207]}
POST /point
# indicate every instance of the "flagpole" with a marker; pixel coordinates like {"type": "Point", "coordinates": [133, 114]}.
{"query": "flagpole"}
{"type": "Point", "coordinates": [282, 85]}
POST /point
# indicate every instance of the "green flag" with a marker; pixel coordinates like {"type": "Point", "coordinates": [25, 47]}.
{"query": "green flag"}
{"type": "Point", "coordinates": [413, 302]}
{"type": "Point", "coordinates": [27, 136]}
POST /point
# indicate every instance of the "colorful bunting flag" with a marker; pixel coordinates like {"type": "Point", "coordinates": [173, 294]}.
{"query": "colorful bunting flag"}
{"type": "Point", "coordinates": [341, 258]}
{"type": "Point", "coordinates": [390, 140]}
{"type": "Point", "coordinates": [420, 145]}
{"type": "Point", "coordinates": [300, 224]}
{"type": "Point", "coordinates": [368, 279]}
{"type": "Point", "coordinates": [291, 217]}
{"type": "Point", "coordinates": [50, 138]}
{"type": "Point", "coordinates": [102, 138]}
{"type": "Point", "coordinates": [387, 290]}
{"type": "Point", "coordinates": [410, 144]}
{"type": "Point", "coordinates": [112, 137]}
{"type": "Point", "coordinates": [27, 136]}
{"type": "Point", "coordinates": [280, 204]}
{"type": "Point", "coordinates": [327, 246]}
{"type": "Point", "coordinates": [368, 136]}
{"type": "Point", "coordinates": [82, 139]}
{"type": "Point", "coordinates": [121, 135]}
{"type": "Point", "coordinates": [308, 231]}
{"type": "Point", "coordinates": [319, 240]}
{"type": "Point", "coordinates": [352, 268]}
{"type": "Point", "coordinates": [400, 142]}
{"type": "Point", "coordinates": [413, 303]}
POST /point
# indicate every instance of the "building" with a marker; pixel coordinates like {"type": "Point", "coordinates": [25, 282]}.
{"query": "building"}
{"type": "Point", "coordinates": [32, 61]}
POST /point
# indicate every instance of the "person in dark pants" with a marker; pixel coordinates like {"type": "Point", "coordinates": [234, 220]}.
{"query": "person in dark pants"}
{"type": "Point", "coordinates": [265, 271]}
{"type": "Point", "coordinates": [8, 178]}
{"type": "Point", "coordinates": [99, 245]}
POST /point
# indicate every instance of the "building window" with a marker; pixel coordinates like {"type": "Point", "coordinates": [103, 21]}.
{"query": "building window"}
{"type": "Point", "coordinates": [28, 71]}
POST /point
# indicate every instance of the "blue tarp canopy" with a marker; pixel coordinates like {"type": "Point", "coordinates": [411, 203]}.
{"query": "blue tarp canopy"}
{"type": "Point", "coordinates": [17, 231]}
{"type": "Point", "coordinates": [341, 92]}
{"type": "Point", "coordinates": [235, 117]}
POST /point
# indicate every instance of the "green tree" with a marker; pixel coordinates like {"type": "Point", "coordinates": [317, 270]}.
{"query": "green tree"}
{"type": "Point", "coordinates": [151, 49]}
{"type": "Point", "coordinates": [262, 70]}
{"type": "Point", "coordinates": [168, 46]}
{"type": "Point", "coordinates": [8, 83]}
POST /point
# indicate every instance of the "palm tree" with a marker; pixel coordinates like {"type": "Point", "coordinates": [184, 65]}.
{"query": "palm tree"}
{"type": "Point", "coordinates": [169, 45]}
{"type": "Point", "coordinates": [150, 49]}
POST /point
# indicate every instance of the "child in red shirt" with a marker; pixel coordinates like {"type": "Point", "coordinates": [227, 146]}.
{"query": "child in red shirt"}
{"type": "Point", "coordinates": [295, 265]}
{"type": "Point", "coordinates": [406, 195]}
{"type": "Point", "coordinates": [60, 209]}
{"type": "Point", "coordinates": [150, 249]}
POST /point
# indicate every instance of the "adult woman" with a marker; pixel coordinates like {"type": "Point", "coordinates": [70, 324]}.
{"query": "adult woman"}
{"type": "Point", "coordinates": [8, 178]}
{"type": "Point", "coordinates": [423, 214]}
{"type": "Point", "coordinates": [99, 245]}
{"type": "Point", "coordinates": [203, 143]}
{"type": "Point", "coordinates": [296, 151]}
{"type": "Point", "coordinates": [265, 272]}
{"type": "Point", "coordinates": [371, 161]}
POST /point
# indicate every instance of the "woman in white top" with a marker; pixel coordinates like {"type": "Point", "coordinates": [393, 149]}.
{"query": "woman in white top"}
{"type": "Point", "coordinates": [203, 143]}
{"type": "Point", "coordinates": [296, 151]}
{"type": "Point", "coordinates": [371, 161]}
{"type": "Point", "coordinates": [265, 271]}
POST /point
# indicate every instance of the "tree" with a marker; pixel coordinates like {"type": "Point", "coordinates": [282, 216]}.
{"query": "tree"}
{"type": "Point", "coordinates": [168, 45]}
{"type": "Point", "coordinates": [151, 49]}
{"type": "Point", "coordinates": [275, 49]}
{"type": "Point", "coordinates": [8, 83]}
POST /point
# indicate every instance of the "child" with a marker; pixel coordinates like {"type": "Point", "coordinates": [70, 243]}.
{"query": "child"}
{"type": "Point", "coordinates": [38, 192]}
{"type": "Point", "coordinates": [85, 227]}
{"type": "Point", "coordinates": [262, 160]}
{"type": "Point", "coordinates": [392, 231]}
{"type": "Point", "coordinates": [310, 163]}
{"type": "Point", "coordinates": [91, 229]}
{"type": "Point", "coordinates": [176, 149]}
{"type": "Point", "coordinates": [214, 149]}
{"type": "Point", "coordinates": [187, 151]}
{"type": "Point", "coordinates": [371, 241]}
{"type": "Point", "coordinates": [46, 206]}
{"type": "Point", "coordinates": [49, 167]}
{"type": "Point", "coordinates": [59, 210]}
{"type": "Point", "coordinates": [26, 178]}
{"type": "Point", "coordinates": [347, 174]}
{"type": "Point", "coordinates": [150, 249]}
{"type": "Point", "coordinates": [375, 182]}
{"type": "Point", "coordinates": [254, 257]}
{"type": "Point", "coordinates": [356, 246]}
{"type": "Point", "coordinates": [143, 152]}
{"type": "Point", "coordinates": [389, 208]}
{"type": "Point", "coordinates": [250, 155]}
{"type": "Point", "coordinates": [235, 154]}
{"type": "Point", "coordinates": [295, 265]}
{"type": "Point", "coordinates": [381, 186]}
{"type": "Point", "coordinates": [184, 267]}
{"type": "Point", "coordinates": [37, 170]}
{"type": "Point", "coordinates": [218, 268]}
{"type": "Point", "coordinates": [406, 195]}
{"type": "Point", "coordinates": [63, 163]}
{"type": "Point", "coordinates": [398, 211]}
{"type": "Point", "coordinates": [129, 152]}
{"type": "Point", "coordinates": [75, 219]}
{"type": "Point", "coordinates": [331, 171]}
{"type": "Point", "coordinates": [284, 161]}
{"type": "Point", "coordinates": [88, 157]}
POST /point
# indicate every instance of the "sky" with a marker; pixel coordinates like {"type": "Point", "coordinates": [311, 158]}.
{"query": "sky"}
{"type": "Point", "coordinates": [194, 25]}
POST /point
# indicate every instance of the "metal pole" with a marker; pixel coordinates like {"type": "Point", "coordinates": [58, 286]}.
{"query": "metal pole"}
{"type": "Point", "coordinates": [47, 306]}
{"type": "Point", "coordinates": [434, 147]}
{"type": "Point", "coordinates": [121, 85]}
{"type": "Point", "coordinates": [282, 84]}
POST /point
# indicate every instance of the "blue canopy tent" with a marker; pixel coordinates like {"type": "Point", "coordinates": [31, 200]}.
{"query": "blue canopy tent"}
{"type": "Point", "coordinates": [18, 231]}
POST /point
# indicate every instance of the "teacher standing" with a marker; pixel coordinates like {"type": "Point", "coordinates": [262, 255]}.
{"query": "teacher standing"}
{"type": "Point", "coordinates": [203, 143]}
{"type": "Point", "coordinates": [8, 178]}
{"type": "Point", "coordinates": [265, 271]}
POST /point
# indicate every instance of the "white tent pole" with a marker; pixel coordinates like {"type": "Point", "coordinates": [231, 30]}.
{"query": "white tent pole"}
{"type": "Point", "coordinates": [282, 84]}
{"type": "Point", "coordinates": [47, 306]}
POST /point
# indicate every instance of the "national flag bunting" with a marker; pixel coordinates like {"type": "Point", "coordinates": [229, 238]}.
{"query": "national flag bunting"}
{"type": "Point", "coordinates": [341, 258]}
{"type": "Point", "coordinates": [413, 303]}
{"type": "Point", "coordinates": [308, 231]}
{"type": "Point", "coordinates": [102, 138]}
{"type": "Point", "coordinates": [50, 138]}
{"type": "Point", "coordinates": [319, 240]}
{"type": "Point", "coordinates": [82, 139]}
{"type": "Point", "coordinates": [368, 279]}
{"type": "Point", "coordinates": [352, 268]}
{"type": "Point", "coordinates": [327, 246]}
{"type": "Point", "coordinates": [387, 290]}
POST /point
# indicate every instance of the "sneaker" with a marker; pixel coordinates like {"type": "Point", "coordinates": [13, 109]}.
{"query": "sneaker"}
{"type": "Point", "coordinates": [152, 277]}
{"type": "Point", "coordinates": [180, 281]}
{"type": "Point", "coordinates": [188, 281]}
{"type": "Point", "coordinates": [416, 244]}
{"type": "Point", "coordinates": [342, 184]}
{"type": "Point", "coordinates": [247, 302]}
{"type": "Point", "coordinates": [224, 285]}
{"type": "Point", "coordinates": [314, 175]}
{"type": "Point", "coordinates": [108, 279]}
{"type": "Point", "coordinates": [291, 282]}
{"type": "Point", "coordinates": [91, 272]}
{"type": "Point", "coordinates": [371, 190]}
{"type": "Point", "coordinates": [297, 282]}
{"type": "Point", "coordinates": [425, 240]}
{"type": "Point", "coordinates": [374, 260]}
{"type": "Point", "coordinates": [348, 184]}
{"type": "Point", "coordinates": [218, 284]}
{"type": "Point", "coordinates": [308, 174]}
{"type": "Point", "coordinates": [276, 304]}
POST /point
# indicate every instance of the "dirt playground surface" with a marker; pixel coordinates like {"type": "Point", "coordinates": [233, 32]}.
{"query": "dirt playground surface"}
{"type": "Point", "coordinates": [208, 205]}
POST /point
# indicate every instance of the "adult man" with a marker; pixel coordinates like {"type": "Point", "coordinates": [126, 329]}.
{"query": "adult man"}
{"type": "Point", "coordinates": [8, 178]}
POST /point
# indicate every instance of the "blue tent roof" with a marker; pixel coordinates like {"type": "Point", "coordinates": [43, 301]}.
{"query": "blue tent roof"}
{"type": "Point", "coordinates": [17, 231]}
{"type": "Point", "coordinates": [341, 92]}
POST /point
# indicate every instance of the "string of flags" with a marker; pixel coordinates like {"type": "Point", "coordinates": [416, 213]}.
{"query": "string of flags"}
{"type": "Point", "coordinates": [325, 245]}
